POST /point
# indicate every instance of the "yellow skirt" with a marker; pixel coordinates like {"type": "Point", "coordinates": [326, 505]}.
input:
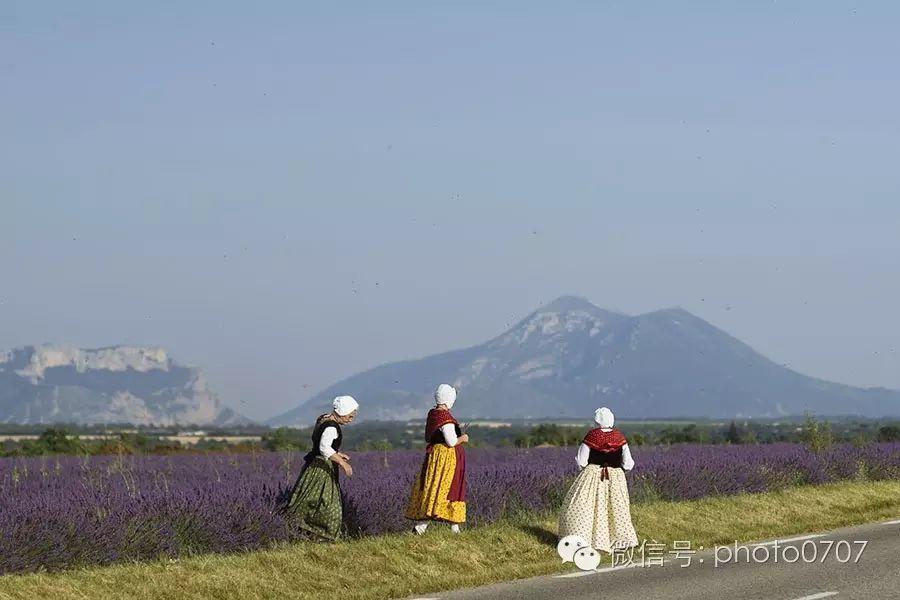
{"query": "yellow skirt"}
{"type": "Point", "coordinates": [429, 498]}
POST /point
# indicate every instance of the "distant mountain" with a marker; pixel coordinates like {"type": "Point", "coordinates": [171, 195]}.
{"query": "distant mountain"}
{"type": "Point", "coordinates": [143, 386]}
{"type": "Point", "coordinates": [569, 357]}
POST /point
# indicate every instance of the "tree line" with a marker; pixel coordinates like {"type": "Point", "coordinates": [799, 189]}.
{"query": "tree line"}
{"type": "Point", "coordinates": [815, 433]}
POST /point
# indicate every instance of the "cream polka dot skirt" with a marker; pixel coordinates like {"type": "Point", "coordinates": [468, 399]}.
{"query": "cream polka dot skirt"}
{"type": "Point", "coordinates": [597, 509]}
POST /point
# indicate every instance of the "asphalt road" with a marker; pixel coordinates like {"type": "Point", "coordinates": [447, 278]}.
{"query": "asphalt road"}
{"type": "Point", "coordinates": [839, 575]}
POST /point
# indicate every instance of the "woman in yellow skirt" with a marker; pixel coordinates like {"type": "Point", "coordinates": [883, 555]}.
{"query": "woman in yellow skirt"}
{"type": "Point", "coordinates": [439, 492]}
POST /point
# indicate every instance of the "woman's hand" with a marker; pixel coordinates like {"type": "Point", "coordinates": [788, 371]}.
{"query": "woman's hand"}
{"type": "Point", "coordinates": [342, 461]}
{"type": "Point", "coordinates": [463, 439]}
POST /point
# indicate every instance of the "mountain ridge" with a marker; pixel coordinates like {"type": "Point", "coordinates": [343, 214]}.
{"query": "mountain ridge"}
{"type": "Point", "coordinates": [568, 356]}
{"type": "Point", "coordinates": [141, 385]}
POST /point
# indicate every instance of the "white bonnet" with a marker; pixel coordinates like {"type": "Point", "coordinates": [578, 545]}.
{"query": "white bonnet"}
{"type": "Point", "coordinates": [344, 405]}
{"type": "Point", "coordinates": [445, 394]}
{"type": "Point", "coordinates": [604, 417]}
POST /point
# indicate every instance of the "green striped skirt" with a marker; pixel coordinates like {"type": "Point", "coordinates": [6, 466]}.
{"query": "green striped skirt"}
{"type": "Point", "coordinates": [316, 505]}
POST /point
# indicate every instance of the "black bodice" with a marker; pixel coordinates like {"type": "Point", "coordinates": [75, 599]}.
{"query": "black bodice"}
{"type": "Point", "coordinates": [438, 436]}
{"type": "Point", "coordinates": [606, 459]}
{"type": "Point", "coordinates": [317, 434]}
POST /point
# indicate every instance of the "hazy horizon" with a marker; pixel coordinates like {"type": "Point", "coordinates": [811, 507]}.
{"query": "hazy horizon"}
{"type": "Point", "coordinates": [311, 392]}
{"type": "Point", "coordinates": [291, 196]}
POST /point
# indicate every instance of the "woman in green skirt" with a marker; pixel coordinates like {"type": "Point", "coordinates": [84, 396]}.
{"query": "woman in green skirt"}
{"type": "Point", "coordinates": [316, 504]}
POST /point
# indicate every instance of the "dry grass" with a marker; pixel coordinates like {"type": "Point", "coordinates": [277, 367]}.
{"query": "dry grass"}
{"type": "Point", "coordinates": [394, 566]}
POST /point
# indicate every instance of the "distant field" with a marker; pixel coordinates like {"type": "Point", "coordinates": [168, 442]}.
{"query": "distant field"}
{"type": "Point", "coordinates": [624, 422]}
{"type": "Point", "coordinates": [26, 440]}
{"type": "Point", "coordinates": [187, 440]}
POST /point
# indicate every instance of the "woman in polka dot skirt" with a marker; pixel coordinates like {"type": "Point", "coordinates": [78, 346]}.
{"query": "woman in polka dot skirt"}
{"type": "Point", "coordinates": [316, 504]}
{"type": "Point", "coordinates": [597, 507]}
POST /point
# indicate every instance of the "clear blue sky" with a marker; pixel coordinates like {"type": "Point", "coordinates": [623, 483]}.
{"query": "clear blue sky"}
{"type": "Point", "coordinates": [219, 179]}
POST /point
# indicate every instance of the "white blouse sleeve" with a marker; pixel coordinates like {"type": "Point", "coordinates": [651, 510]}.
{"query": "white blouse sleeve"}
{"type": "Point", "coordinates": [449, 431]}
{"type": "Point", "coordinates": [328, 436]}
{"type": "Point", "coordinates": [583, 454]}
{"type": "Point", "coordinates": [627, 461]}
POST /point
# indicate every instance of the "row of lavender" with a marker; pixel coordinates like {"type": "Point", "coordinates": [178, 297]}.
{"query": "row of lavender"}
{"type": "Point", "coordinates": [60, 512]}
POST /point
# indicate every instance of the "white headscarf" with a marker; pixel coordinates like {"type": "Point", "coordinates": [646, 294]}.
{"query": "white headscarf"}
{"type": "Point", "coordinates": [344, 405]}
{"type": "Point", "coordinates": [445, 394]}
{"type": "Point", "coordinates": [604, 418]}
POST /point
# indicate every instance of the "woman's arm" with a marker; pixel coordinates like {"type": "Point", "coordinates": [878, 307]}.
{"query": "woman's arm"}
{"type": "Point", "coordinates": [328, 437]}
{"type": "Point", "coordinates": [627, 461]}
{"type": "Point", "coordinates": [583, 454]}
{"type": "Point", "coordinates": [329, 453]}
{"type": "Point", "coordinates": [449, 431]}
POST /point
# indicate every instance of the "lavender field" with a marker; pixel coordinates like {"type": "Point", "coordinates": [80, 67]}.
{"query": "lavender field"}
{"type": "Point", "coordinates": [67, 511]}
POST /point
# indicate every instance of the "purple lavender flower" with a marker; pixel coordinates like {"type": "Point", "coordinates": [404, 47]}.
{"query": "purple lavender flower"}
{"type": "Point", "coordinates": [61, 512]}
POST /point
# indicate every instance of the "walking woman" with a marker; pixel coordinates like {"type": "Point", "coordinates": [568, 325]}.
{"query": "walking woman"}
{"type": "Point", "coordinates": [597, 507]}
{"type": "Point", "coordinates": [316, 504]}
{"type": "Point", "coordinates": [439, 492]}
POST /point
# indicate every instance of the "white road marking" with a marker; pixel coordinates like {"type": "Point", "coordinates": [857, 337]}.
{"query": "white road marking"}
{"type": "Point", "coordinates": [817, 596]}
{"type": "Point", "coordinates": [897, 522]}
{"type": "Point", "coordinates": [789, 540]}
{"type": "Point", "coordinates": [603, 570]}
